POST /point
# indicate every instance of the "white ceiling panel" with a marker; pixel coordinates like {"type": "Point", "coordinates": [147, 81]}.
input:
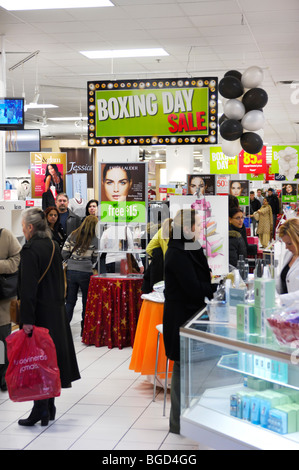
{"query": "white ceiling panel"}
{"type": "Point", "coordinates": [201, 37]}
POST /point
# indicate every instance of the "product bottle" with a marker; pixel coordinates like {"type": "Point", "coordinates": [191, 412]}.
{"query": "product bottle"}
{"type": "Point", "coordinates": [258, 272]}
{"type": "Point", "coordinates": [241, 265]}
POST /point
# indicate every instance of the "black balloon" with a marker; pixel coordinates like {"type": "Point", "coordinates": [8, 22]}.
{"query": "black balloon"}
{"type": "Point", "coordinates": [222, 119]}
{"type": "Point", "coordinates": [230, 87]}
{"type": "Point", "coordinates": [251, 142]}
{"type": "Point", "coordinates": [231, 129]}
{"type": "Point", "coordinates": [234, 73]}
{"type": "Point", "coordinates": [255, 98]}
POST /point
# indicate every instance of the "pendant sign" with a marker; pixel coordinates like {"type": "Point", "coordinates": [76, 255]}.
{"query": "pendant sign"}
{"type": "Point", "coordinates": [135, 112]}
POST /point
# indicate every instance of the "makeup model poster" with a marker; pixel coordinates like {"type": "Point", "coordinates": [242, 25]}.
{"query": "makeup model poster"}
{"type": "Point", "coordinates": [214, 213]}
{"type": "Point", "coordinates": [201, 184]}
{"type": "Point", "coordinates": [47, 173]}
{"type": "Point", "coordinates": [123, 194]}
{"type": "Point", "coordinates": [240, 189]}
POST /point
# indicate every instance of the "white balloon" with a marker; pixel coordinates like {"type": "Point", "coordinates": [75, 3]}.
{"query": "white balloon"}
{"type": "Point", "coordinates": [252, 77]}
{"type": "Point", "coordinates": [231, 148]}
{"type": "Point", "coordinates": [234, 109]}
{"type": "Point", "coordinates": [253, 120]}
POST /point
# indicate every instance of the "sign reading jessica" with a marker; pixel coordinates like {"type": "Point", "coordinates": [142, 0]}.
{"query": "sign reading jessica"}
{"type": "Point", "coordinates": [123, 192]}
{"type": "Point", "coordinates": [180, 111]}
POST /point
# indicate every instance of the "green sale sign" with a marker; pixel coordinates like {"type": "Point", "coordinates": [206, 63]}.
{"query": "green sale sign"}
{"type": "Point", "coordinates": [153, 111]}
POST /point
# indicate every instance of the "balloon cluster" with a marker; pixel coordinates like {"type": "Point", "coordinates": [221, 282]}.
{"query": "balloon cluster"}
{"type": "Point", "coordinates": [241, 125]}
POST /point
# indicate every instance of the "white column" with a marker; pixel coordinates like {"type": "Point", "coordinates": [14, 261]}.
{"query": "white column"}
{"type": "Point", "coordinates": [206, 160]}
{"type": "Point", "coordinates": [179, 163]}
{"type": "Point", "coordinates": [2, 133]}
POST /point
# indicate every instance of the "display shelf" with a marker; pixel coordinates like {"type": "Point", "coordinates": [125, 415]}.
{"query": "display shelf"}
{"type": "Point", "coordinates": [213, 370]}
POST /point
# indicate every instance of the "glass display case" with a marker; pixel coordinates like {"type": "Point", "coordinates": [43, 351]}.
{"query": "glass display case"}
{"type": "Point", "coordinates": [238, 391]}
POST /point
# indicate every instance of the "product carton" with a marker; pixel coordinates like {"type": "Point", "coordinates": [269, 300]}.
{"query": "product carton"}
{"type": "Point", "coordinates": [264, 293]}
{"type": "Point", "coordinates": [246, 318]}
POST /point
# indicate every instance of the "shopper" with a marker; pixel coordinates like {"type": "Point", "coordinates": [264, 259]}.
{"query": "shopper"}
{"type": "Point", "coordinates": [255, 205]}
{"type": "Point", "coordinates": [53, 220]}
{"type": "Point", "coordinates": [42, 303]}
{"type": "Point", "coordinates": [236, 242]}
{"type": "Point", "coordinates": [187, 284]}
{"type": "Point", "coordinates": [92, 207]}
{"type": "Point", "coordinates": [265, 226]}
{"type": "Point", "coordinates": [68, 219]}
{"type": "Point", "coordinates": [274, 203]}
{"type": "Point", "coordinates": [259, 196]}
{"type": "Point", "coordinates": [81, 252]}
{"type": "Point", "coordinates": [287, 282]}
{"type": "Point", "coordinates": [9, 262]}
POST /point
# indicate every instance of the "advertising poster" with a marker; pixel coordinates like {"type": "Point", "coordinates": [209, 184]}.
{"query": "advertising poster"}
{"type": "Point", "coordinates": [222, 185]}
{"type": "Point", "coordinates": [289, 192]}
{"type": "Point", "coordinates": [240, 189]}
{"type": "Point", "coordinates": [285, 163]}
{"type": "Point", "coordinates": [214, 213]}
{"type": "Point", "coordinates": [222, 164]}
{"type": "Point", "coordinates": [47, 173]}
{"type": "Point", "coordinates": [149, 112]}
{"type": "Point", "coordinates": [254, 164]}
{"type": "Point", "coordinates": [123, 192]}
{"type": "Point", "coordinates": [201, 184]}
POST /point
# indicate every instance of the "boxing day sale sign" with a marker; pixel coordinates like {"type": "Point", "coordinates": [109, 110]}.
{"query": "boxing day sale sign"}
{"type": "Point", "coordinates": [149, 112]}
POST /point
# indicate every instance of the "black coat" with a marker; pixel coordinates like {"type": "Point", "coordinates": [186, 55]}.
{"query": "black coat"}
{"type": "Point", "coordinates": [236, 245]}
{"type": "Point", "coordinates": [187, 283]}
{"type": "Point", "coordinates": [43, 304]}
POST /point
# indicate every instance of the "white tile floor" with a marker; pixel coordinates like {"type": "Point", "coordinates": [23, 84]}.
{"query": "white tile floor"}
{"type": "Point", "coordinates": [110, 408]}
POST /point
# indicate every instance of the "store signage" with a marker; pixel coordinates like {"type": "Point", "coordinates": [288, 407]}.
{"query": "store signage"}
{"type": "Point", "coordinates": [123, 192]}
{"type": "Point", "coordinates": [289, 193]}
{"type": "Point", "coordinates": [148, 112]}
{"type": "Point", "coordinates": [240, 189]}
{"type": "Point", "coordinates": [222, 164]}
{"type": "Point", "coordinates": [47, 172]}
{"type": "Point", "coordinates": [254, 164]}
{"type": "Point", "coordinates": [285, 163]}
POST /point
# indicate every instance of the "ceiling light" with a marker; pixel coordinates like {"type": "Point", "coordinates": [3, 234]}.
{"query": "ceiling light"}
{"type": "Point", "coordinates": [124, 53]}
{"type": "Point", "coordinates": [13, 5]}
{"type": "Point", "coordinates": [39, 106]}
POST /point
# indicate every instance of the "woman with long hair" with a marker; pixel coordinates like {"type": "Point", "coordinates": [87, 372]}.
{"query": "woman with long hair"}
{"type": "Point", "coordinates": [187, 283]}
{"type": "Point", "coordinates": [81, 252]}
{"type": "Point", "coordinates": [53, 220]}
{"type": "Point", "coordinates": [287, 282]}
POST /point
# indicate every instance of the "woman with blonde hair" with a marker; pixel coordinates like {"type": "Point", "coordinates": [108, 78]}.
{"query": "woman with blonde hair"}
{"type": "Point", "coordinates": [81, 252]}
{"type": "Point", "coordinates": [187, 283]}
{"type": "Point", "coordinates": [287, 282]}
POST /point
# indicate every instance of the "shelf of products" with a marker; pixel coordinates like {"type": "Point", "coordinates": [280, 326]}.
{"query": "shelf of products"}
{"type": "Point", "coordinates": [239, 391]}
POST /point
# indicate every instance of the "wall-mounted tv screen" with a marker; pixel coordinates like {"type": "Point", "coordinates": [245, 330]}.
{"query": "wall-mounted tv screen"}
{"type": "Point", "coordinates": [26, 140]}
{"type": "Point", "coordinates": [11, 114]}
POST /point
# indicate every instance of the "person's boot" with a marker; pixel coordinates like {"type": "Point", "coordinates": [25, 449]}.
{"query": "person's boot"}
{"type": "Point", "coordinates": [39, 412]}
{"type": "Point", "coordinates": [52, 409]}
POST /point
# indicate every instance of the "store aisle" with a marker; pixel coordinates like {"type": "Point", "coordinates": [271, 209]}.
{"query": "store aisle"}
{"type": "Point", "coordinates": [111, 407]}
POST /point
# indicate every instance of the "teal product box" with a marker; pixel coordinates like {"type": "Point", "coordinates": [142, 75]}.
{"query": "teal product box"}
{"type": "Point", "coordinates": [261, 325]}
{"type": "Point", "coordinates": [246, 406]}
{"type": "Point", "coordinates": [236, 296]}
{"type": "Point", "coordinates": [255, 406]}
{"type": "Point", "coordinates": [278, 421]}
{"type": "Point", "coordinates": [246, 318]}
{"type": "Point", "coordinates": [264, 413]}
{"type": "Point", "coordinates": [291, 417]}
{"type": "Point", "coordinates": [264, 293]}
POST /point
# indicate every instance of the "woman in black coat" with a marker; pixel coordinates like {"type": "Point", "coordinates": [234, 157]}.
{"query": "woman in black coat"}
{"type": "Point", "coordinates": [236, 241]}
{"type": "Point", "coordinates": [42, 303]}
{"type": "Point", "coordinates": [187, 283]}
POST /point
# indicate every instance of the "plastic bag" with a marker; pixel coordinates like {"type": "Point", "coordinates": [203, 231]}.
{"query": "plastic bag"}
{"type": "Point", "coordinates": [32, 373]}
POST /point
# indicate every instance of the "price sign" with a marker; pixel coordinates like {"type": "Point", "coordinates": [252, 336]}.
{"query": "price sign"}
{"type": "Point", "coordinates": [253, 164]}
{"type": "Point", "coordinates": [222, 185]}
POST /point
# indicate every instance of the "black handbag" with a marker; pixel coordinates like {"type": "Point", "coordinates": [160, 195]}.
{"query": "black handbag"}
{"type": "Point", "coordinates": [8, 284]}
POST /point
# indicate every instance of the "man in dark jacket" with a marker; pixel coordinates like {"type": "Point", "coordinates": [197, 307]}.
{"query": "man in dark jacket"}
{"type": "Point", "coordinates": [255, 205]}
{"type": "Point", "coordinates": [274, 203]}
{"type": "Point", "coordinates": [68, 219]}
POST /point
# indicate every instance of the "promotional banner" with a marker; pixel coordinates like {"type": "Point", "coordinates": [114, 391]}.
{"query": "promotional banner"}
{"type": "Point", "coordinates": [254, 164]}
{"type": "Point", "coordinates": [222, 164]}
{"type": "Point", "coordinates": [123, 192]}
{"type": "Point", "coordinates": [289, 193]}
{"type": "Point", "coordinates": [47, 173]}
{"type": "Point", "coordinates": [201, 184]}
{"type": "Point", "coordinates": [222, 185]}
{"type": "Point", "coordinates": [285, 164]}
{"type": "Point", "coordinates": [240, 189]}
{"type": "Point", "coordinates": [161, 111]}
{"type": "Point", "coordinates": [214, 213]}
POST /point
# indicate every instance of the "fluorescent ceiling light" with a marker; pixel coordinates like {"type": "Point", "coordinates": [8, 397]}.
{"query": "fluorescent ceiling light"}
{"type": "Point", "coordinates": [68, 118]}
{"type": "Point", "coordinates": [39, 106]}
{"type": "Point", "coordinates": [123, 53]}
{"type": "Point", "coordinates": [13, 5]}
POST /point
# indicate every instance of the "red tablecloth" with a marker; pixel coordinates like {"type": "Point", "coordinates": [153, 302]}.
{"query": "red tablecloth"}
{"type": "Point", "coordinates": [112, 311]}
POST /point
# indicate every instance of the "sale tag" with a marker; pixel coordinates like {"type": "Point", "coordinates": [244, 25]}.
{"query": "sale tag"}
{"type": "Point", "coordinates": [253, 164]}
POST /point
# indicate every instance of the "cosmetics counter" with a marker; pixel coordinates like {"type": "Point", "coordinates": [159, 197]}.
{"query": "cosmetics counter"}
{"type": "Point", "coordinates": [238, 390]}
